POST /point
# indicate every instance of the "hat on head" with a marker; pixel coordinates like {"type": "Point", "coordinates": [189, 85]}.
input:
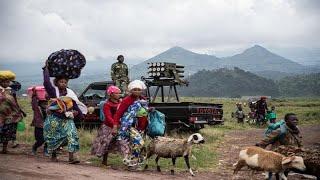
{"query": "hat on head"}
{"type": "Point", "coordinates": [113, 89]}
{"type": "Point", "coordinates": [137, 84]}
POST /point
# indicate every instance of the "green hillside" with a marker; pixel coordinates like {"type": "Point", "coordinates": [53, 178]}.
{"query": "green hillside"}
{"type": "Point", "coordinates": [229, 83]}
{"type": "Point", "coordinates": [300, 85]}
{"type": "Point", "coordinates": [237, 83]}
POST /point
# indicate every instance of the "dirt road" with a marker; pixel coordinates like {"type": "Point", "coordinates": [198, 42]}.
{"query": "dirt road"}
{"type": "Point", "coordinates": [235, 140]}
{"type": "Point", "coordinates": [19, 165]}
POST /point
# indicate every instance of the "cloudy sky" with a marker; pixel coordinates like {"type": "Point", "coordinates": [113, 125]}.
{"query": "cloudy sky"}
{"type": "Point", "coordinates": [31, 29]}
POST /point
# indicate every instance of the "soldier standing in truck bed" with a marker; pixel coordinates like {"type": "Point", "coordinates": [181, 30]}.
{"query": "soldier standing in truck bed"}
{"type": "Point", "coordinates": [119, 74]}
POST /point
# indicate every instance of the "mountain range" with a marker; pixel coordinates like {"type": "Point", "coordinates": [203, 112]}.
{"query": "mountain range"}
{"type": "Point", "coordinates": [256, 59]}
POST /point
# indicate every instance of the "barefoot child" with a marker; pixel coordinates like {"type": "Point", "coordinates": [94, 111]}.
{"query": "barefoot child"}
{"type": "Point", "coordinates": [108, 129]}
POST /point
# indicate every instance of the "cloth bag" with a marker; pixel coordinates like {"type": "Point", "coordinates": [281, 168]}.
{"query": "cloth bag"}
{"type": "Point", "coordinates": [157, 124]}
{"type": "Point", "coordinates": [280, 124]}
{"type": "Point", "coordinates": [66, 63]}
{"type": "Point", "coordinates": [21, 126]}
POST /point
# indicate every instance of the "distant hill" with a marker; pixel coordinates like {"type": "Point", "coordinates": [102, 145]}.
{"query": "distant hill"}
{"type": "Point", "coordinates": [228, 83]}
{"type": "Point", "coordinates": [274, 75]}
{"type": "Point", "coordinates": [302, 55]}
{"type": "Point", "coordinates": [237, 82]}
{"type": "Point", "coordinates": [256, 59]}
{"type": "Point", "coordinates": [193, 62]}
{"type": "Point", "coordinates": [300, 85]}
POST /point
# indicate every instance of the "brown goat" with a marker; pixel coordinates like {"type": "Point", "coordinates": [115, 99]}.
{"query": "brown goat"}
{"type": "Point", "coordinates": [173, 148]}
{"type": "Point", "coordinates": [257, 158]}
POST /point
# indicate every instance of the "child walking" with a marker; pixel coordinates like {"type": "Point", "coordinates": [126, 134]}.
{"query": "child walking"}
{"type": "Point", "coordinates": [108, 129]}
{"type": "Point", "coordinates": [39, 107]}
{"type": "Point", "coordinates": [272, 115]}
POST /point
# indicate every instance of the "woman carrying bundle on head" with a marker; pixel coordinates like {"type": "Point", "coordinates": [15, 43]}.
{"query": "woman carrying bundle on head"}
{"type": "Point", "coordinates": [108, 129]}
{"type": "Point", "coordinates": [60, 88]}
{"type": "Point", "coordinates": [10, 112]}
{"type": "Point", "coordinates": [59, 128]}
{"type": "Point", "coordinates": [12, 87]}
{"type": "Point", "coordinates": [63, 65]}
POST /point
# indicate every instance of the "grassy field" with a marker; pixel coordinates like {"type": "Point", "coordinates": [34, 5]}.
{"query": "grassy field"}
{"type": "Point", "coordinates": [307, 111]}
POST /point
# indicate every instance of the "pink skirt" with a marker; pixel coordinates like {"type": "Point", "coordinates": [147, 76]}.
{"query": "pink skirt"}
{"type": "Point", "coordinates": [106, 142]}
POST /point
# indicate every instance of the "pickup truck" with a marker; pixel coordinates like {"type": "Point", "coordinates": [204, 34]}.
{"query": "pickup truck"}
{"type": "Point", "coordinates": [179, 115]}
{"type": "Point", "coordinates": [91, 97]}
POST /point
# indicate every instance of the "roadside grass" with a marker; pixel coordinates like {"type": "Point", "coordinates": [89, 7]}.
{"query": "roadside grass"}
{"type": "Point", "coordinates": [206, 155]}
{"type": "Point", "coordinates": [306, 109]}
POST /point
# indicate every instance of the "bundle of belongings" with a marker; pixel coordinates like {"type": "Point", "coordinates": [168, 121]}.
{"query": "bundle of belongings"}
{"type": "Point", "coordinates": [15, 85]}
{"type": "Point", "coordinates": [311, 158]}
{"type": "Point", "coordinates": [280, 124]}
{"type": "Point", "coordinates": [129, 130]}
{"type": "Point", "coordinates": [60, 105]}
{"type": "Point", "coordinates": [66, 63]}
{"type": "Point", "coordinates": [7, 75]}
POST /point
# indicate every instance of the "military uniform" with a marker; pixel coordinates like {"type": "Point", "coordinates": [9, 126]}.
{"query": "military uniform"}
{"type": "Point", "coordinates": [119, 75]}
{"type": "Point", "coordinates": [276, 138]}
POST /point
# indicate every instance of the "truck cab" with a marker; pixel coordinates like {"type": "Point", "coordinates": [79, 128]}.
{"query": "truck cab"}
{"type": "Point", "coordinates": [91, 97]}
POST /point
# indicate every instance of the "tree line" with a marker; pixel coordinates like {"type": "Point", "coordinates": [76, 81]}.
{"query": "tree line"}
{"type": "Point", "coordinates": [237, 82]}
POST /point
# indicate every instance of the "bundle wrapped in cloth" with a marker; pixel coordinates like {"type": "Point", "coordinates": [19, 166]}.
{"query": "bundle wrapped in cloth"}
{"type": "Point", "coordinates": [15, 85]}
{"type": "Point", "coordinates": [66, 63]}
{"type": "Point", "coordinates": [7, 75]}
{"type": "Point", "coordinates": [311, 157]}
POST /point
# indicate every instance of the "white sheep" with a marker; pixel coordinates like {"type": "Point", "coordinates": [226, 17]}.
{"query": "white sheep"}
{"type": "Point", "coordinates": [172, 148]}
{"type": "Point", "coordinates": [257, 158]}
